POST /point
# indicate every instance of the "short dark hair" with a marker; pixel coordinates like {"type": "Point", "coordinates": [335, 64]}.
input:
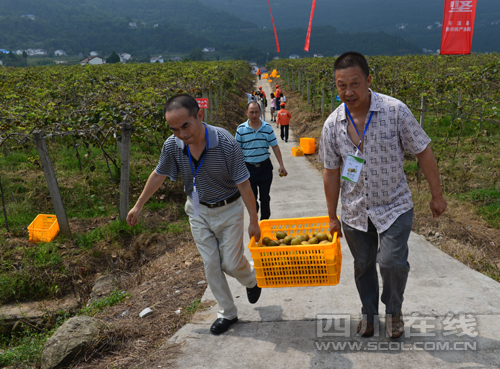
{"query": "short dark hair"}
{"type": "Point", "coordinates": [351, 59]}
{"type": "Point", "coordinates": [253, 102]}
{"type": "Point", "coordinates": [185, 101]}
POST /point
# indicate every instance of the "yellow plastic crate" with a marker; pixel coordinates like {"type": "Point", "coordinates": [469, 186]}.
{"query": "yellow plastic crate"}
{"type": "Point", "coordinates": [308, 145]}
{"type": "Point", "coordinates": [297, 151]}
{"type": "Point", "coordinates": [44, 228]}
{"type": "Point", "coordinates": [296, 266]}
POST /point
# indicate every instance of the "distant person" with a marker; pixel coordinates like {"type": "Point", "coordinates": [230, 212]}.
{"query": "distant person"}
{"type": "Point", "coordinates": [263, 103]}
{"type": "Point", "coordinates": [250, 97]}
{"type": "Point", "coordinates": [254, 137]}
{"type": "Point", "coordinates": [362, 147]}
{"type": "Point", "coordinates": [278, 93]}
{"type": "Point", "coordinates": [273, 107]}
{"type": "Point", "coordinates": [259, 73]}
{"type": "Point", "coordinates": [284, 117]}
{"type": "Point", "coordinates": [216, 182]}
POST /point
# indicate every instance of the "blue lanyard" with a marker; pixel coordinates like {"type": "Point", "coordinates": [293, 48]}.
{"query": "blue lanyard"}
{"type": "Point", "coordinates": [202, 160]}
{"type": "Point", "coordinates": [366, 127]}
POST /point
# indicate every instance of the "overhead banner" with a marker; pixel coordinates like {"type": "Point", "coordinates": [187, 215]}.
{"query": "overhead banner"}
{"type": "Point", "coordinates": [308, 36]}
{"type": "Point", "coordinates": [458, 26]}
{"type": "Point", "coordinates": [275, 34]}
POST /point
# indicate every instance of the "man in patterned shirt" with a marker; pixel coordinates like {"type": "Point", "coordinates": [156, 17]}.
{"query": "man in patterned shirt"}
{"type": "Point", "coordinates": [216, 181]}
{"type": "Point", "coordinates": [363, 143]}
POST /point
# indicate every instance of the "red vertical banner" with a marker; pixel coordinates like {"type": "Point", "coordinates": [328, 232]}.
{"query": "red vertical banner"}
{"type": "Point", "coordinates": [275, 34]}
{"type": "Point", "coordinates": [458, 26]}
{"type": "Point", "coordinates": [308, 36]}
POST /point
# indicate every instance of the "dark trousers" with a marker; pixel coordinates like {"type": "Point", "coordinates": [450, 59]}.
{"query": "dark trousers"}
{"type": "Point", "coordinates": [390, 250]}
{"type": "Point", "coordinates": [284, 132]}
{"type": "Point", "coordinates": [260, 180]}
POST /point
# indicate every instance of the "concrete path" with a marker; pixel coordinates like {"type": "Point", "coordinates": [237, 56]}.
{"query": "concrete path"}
{"type": "Point", "coordinates": [452, 313]}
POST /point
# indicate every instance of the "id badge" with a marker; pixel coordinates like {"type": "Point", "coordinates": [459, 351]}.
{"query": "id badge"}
{"type": "Point", "coordinates": [352, 169]}
{"type": "Point", "coordinates": [196, 202]}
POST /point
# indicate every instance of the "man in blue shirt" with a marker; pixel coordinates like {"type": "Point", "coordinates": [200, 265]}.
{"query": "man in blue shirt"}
{"type": "Point", "coordinates": [254, 137]}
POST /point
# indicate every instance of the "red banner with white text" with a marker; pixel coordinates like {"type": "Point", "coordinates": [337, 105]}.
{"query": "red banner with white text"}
{"type": "Point", "coordinates": [308, 36]}
{"type": "Point", "coordinates": [458, 26]}
{"type": "Point", "coordinates": [274, 27]}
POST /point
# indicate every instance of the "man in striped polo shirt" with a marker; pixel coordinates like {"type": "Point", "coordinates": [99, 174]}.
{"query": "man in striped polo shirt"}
{"type": "Point", "coordinates": [217, 184]}
{"type": "Point", "coordinates": [254, 137]}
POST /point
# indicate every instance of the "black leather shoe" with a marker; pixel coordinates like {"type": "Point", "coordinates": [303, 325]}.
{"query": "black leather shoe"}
{"type": "Point", "coordinates": [221, 325]}
{"type": "Point", "coordinates": [253, 294]}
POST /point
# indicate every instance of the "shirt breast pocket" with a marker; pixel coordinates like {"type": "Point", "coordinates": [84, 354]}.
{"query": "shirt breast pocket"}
{"type": "Point", "coordinates": [388, 147]}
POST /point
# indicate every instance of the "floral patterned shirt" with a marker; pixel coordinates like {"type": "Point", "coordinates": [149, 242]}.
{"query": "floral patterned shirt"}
{"type": "Point", "coordinates": [381, 193]}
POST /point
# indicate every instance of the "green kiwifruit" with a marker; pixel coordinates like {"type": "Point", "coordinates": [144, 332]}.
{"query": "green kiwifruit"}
{"type": "Point", "coordinates": [280, 235]}
{"type": "Point", "coordinates": [322, 236]}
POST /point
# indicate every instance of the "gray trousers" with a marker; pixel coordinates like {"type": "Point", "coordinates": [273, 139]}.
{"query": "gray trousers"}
{"type": "Point", "coordinates": [218, 234]}
{"type": "Point", "coordinates": [390, 250]}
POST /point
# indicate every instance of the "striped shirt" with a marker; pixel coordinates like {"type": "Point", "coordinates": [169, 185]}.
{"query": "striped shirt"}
{"type": "Point", "coordinates": [222, 170]}
{"type": "Point", "coordinates": [255, 144]}
{"type": "Point", "coordinates": [381, 192]}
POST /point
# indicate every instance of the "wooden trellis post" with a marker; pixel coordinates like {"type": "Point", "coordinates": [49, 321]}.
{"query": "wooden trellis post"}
{"type": "Point", "coordinates": [125, 170]}
{"type": "Point", "coordinates": [308, 91]}
{"type": "Point", "coordinates": [3, 207]}
{"type": "Point", "coordinates": [323, 101]}
{"type": "Point", "coordinates": [52, 184]}
{"type": "Point", "coordinates": [205, 113]}
{"type": "Point", "coordinates": [334, 97]}
{"type": "Point", "coordinates": [210, 102]}
{"type": "Point", "coordinates": [422, 110]}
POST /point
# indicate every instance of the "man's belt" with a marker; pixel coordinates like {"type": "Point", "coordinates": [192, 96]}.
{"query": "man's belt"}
{"type": "Point", "coordinates": [257, 165]}
{"type": "Point", "coordinates": [233, 198]}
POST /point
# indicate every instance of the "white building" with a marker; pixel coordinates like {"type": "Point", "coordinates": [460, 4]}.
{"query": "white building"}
{"type": "Point", "coordinates": [157, 59]}
{"type": "Point", "coordinates": [293, 56]}
{"type": "Point", "coordinates": [92, 60]}
{"type": "Point", "coordinates": [60, 53]}
{"type": "Point", "coordinates": [177, 59]}
{"type": "Point", "coordinates": [208, 50]}
{"type": "Point", "coordinates": [94, 53]}
{"type": "Point", "coordinates": [124, 57]}
{"type": "Point", "coordinates": [132, 25]}
{"type": "Point", "coordinates": [318, 55]}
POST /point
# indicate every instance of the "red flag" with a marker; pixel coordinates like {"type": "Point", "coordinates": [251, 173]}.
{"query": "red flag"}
{"type": "Point", "coordinates": [308, 37]}
{"type": "Point", "coordinates": [275, 34]}
{"type": "Point", "coordinates": [458, 26]}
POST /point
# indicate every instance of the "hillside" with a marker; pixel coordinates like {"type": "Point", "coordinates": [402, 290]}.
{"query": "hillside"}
{"type": "Point", "coordinates": [413, 20]}
{"type": "Point", "coordinates": [168, 26]}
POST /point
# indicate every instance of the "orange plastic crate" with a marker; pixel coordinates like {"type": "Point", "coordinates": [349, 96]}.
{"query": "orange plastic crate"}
{"type": "Point", "coordinates": [308, 145]}
{"type": "Point", "coordinates": [297, 151]}
{"type": "Point", "coordinates": [296, 266]}
{"type": "Point", "coordinates": [44, 228]}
